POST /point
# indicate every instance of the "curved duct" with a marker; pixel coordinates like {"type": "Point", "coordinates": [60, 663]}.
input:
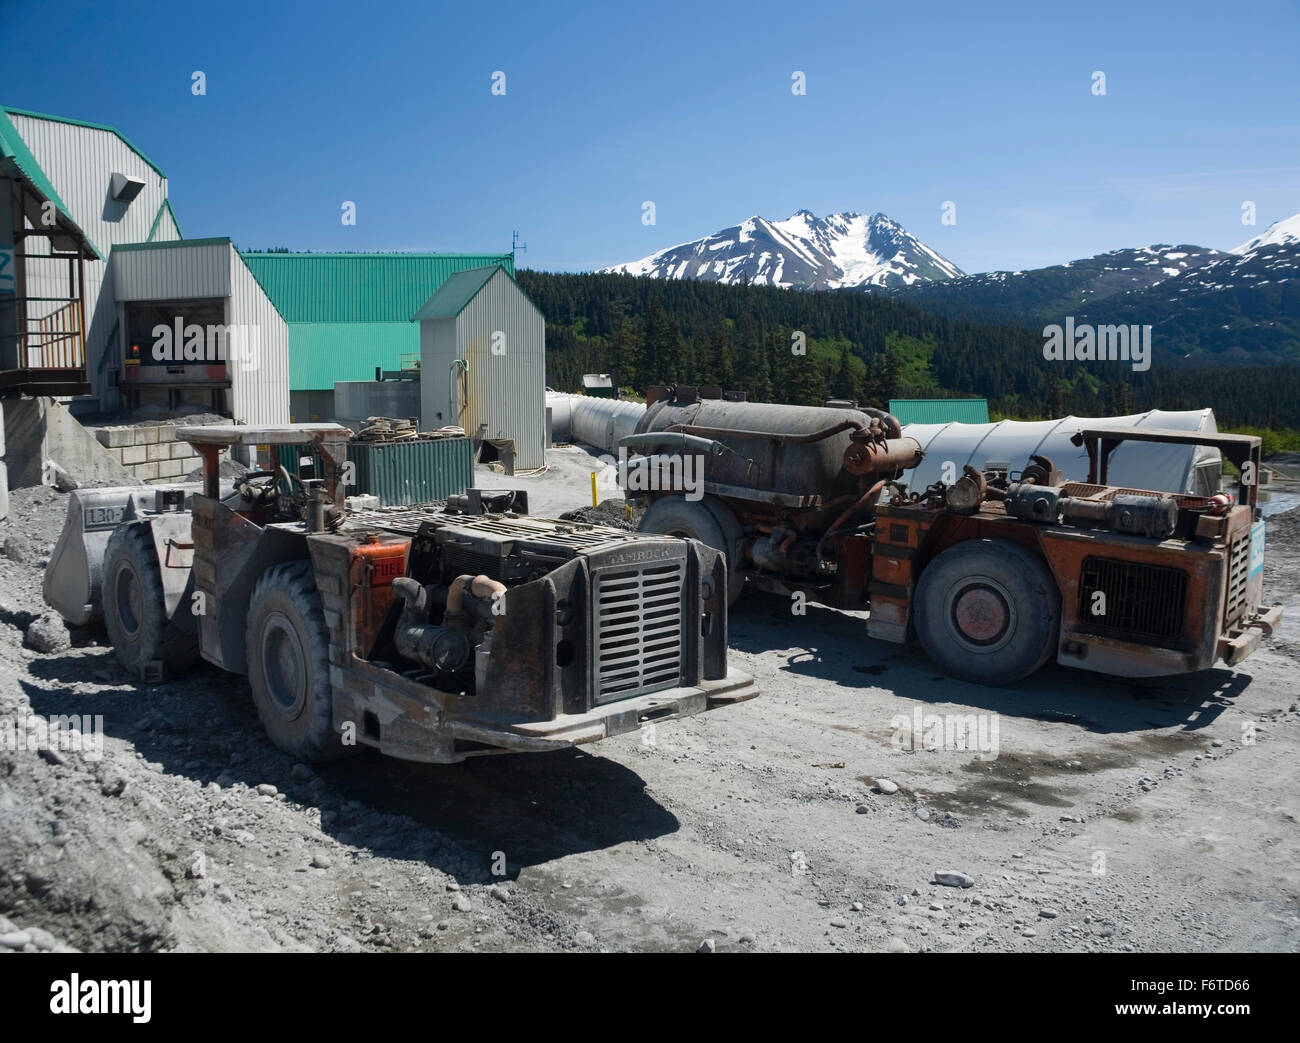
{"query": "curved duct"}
{"type": "Point", "coordinates": [598, 422]}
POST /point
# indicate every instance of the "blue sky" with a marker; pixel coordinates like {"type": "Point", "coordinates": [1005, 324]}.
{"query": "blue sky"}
{"type": "Point", "coordinates": [689, 105]}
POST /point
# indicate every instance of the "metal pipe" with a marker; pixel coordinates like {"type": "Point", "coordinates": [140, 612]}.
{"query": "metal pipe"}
{"type": "Point", "coordinates": [807, 439]}
{"type": "Point", "coordinates": [675, 440]}
{"type": "Point", "coordinates": [835, 526]}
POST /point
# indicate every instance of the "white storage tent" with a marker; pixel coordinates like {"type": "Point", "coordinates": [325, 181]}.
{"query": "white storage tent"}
{"type": "Point", "coordinates": [1137, 465]}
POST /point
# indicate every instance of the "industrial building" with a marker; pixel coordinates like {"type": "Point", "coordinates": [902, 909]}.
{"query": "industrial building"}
{"type": "Point", "coordinates": [105, 305]}
{"type": "Point", "coordinates": [940, 410]}
{"type": "Point", "coordinates": [100, 268]}
{"type": "Point", "coordinates": [199, 331]}
{"type": "Point", "coordinates": [349, 315]}
{"type": "Point", "coordinates": [483, 363]}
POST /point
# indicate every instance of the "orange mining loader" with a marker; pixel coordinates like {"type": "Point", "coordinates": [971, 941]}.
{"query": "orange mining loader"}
{"type": "Point", "coordinates": [994, 574]}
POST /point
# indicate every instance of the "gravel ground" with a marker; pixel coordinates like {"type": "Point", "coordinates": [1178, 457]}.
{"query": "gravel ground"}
{"type": "Point", "coordinates": [1115, 816]}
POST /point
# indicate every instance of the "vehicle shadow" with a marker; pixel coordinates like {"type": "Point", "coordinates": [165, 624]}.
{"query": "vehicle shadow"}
{"type": "Point", "coordinates": [833, 647]}
{"type": "Point", "coordinates": [531, 808]}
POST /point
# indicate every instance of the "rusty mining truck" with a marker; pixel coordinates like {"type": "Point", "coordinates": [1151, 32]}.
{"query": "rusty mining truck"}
{"type": "Point", "coordinates": [432, 633]}
{"type": "Point", "coordinates": [994, 574]}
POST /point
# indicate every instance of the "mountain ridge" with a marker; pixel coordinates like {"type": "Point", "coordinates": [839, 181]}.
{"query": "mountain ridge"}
{"type": "Point", "coordinates": [844, 250]}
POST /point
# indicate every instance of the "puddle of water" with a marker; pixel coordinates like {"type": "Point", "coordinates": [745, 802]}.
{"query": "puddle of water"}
{"type": "Point", "coordinates": [1273, 502]}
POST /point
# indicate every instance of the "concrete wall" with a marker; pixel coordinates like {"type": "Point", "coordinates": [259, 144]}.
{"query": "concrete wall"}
{"type": "Point", "coordinates": [39, 431]}
{"type": "Point", "coordinates": [4, 469]}
{"type": "Point", "coordinates": [151, 452]}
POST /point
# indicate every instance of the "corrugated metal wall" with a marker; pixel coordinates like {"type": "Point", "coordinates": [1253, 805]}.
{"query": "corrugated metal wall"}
{"type": "Point", "coordinates": [321, 353]}
{"type": "Point", "coordinates": [172, 273]}
{"type": "Point", "coordinates": [259, 386]}
{"type": "Point", "coordinates": [79, 162]}
{"type": "Point", "coordinates": [400, 473]}
{"type": "Point", "coordinates": [437, 352]}
{"type": "Point", "coordinates": [506, 391]}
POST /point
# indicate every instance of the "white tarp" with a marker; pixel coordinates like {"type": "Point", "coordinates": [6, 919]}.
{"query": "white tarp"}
{"type": "Point", "coordinates": [1135, 465]}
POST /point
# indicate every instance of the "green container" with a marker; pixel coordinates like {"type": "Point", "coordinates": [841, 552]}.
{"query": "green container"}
{"type": "Point", "coordinates": [399, 473]}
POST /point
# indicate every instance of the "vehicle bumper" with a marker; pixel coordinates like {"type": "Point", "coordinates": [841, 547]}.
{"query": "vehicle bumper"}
{"type": "Point", "coordinates": [400, 719]}
{"type": "Point", "coordinates": [1234, 649]}
{"type": "Point", "coordinates": [617, 718]}
{"type": "Point", "coordinates": [1126, 659]}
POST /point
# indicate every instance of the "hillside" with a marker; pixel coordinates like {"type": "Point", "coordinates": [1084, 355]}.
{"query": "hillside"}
{"type": "Point", "coordinates": [865, 346]}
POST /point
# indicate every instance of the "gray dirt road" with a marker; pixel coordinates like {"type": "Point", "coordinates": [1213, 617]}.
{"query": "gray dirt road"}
{"type": "Point", "coordinates": [1114, 816]}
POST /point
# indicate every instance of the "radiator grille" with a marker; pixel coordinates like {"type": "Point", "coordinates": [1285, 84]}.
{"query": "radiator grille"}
{"type": "Point", "coordinates": [1238, 572]}
{"type": "Point", "coordinates": [1142, 602]}
{"type": "Point", "coordinates": [461, 562]}
{"type": "Point", "coordinates": [638, 626]}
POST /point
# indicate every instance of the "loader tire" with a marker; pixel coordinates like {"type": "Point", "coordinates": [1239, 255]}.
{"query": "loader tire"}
{"type": "Point", "coordinates": [288, 664]}
{"type": "Point", "coordinates": [135, 614]}
{"type": "Point", "coordinates": [708, 520]}
{"type": "Point", "coordinates": [988, 611]}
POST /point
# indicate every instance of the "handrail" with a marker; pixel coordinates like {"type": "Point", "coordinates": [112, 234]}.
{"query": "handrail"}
{"type": "Point", "coordinates": [54, 341]}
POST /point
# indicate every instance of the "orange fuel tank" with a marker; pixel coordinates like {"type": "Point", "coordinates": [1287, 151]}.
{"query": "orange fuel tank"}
{"type": "Point", "coordinates": [376, 561]}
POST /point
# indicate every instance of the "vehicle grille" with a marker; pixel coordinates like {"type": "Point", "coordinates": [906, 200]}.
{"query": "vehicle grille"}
{"type": "Point", "coordinates": [1234, 603]}
{"type": "Point", "coordinates": [1142, 602]}
{"type": "Point", "coordinates": [638, 627]}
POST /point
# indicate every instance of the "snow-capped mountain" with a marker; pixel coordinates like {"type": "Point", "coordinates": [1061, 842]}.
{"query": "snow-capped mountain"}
{"type": "Point", "coordinates": [1031, 294]}
{"type": "Point", "coordinates": [1233, 306]}
{"type": "Point", "coordinates": [1280, 233]}
{"type": "Point", "coordinates": [803, 251]}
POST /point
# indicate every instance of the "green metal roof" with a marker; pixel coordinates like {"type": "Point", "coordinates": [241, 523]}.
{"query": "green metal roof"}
{"type": "Point", "coordinates": [940, 410]}
{"type": "Point", "coordinates": [323, 352]}
{"type": "Point", "coordinates": [82, 123]}
{"type": "Point", "coordinates": [174, 244]}
{"type": "Point", "coordinates": [450, 298]}
{"type": "Point", "coordinates": [358, 288]}
{"type": "Point", "coordinates": [17, 159]}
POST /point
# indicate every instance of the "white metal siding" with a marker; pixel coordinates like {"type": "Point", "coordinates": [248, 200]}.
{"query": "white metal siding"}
{"type": "Point", "coordinates": [437, 352]}
{"type": "Point", "coordinates": [79, 161]}
{"type": "Point", "coordinates": [259, 386]}
{"type": "Point", "coordinates": [507, 391]}
{"type": "Point", "coordinates": [166, 232]}
{"type": "Point", "coordinates": [172, 273]}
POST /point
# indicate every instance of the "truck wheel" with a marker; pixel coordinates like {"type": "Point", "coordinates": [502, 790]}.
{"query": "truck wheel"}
{"type": "Point", "coordinates": [988, 611]}
{"type": "Point", "coordinates": [712, 523]}
{"type": "Point", "coordinates": [135, 614]}
{"type": "Point", "coordinates": [289, 666]}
